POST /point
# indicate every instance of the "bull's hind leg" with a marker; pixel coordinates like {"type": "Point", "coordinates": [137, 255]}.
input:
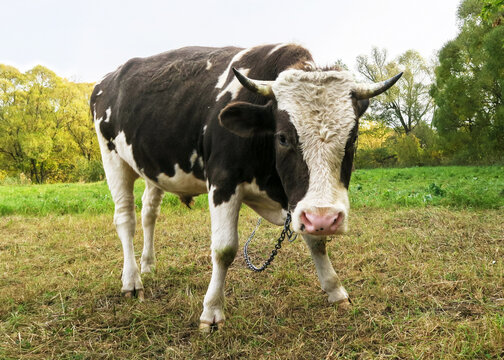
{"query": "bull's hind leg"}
{"type": "Point", "coordinates": [224, 217]}
{"type": "Point", "coordinates": [121, 183]}
{"type": "Point", "coordinates": [121, 179]}
{"type": "Point", "coordinates": [151, 201]}
{"type": "Point", "coordinates": [329, 281]}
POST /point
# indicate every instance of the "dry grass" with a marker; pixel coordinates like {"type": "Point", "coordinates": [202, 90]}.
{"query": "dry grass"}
{"type": "Point", "coordinates": [426, 283]}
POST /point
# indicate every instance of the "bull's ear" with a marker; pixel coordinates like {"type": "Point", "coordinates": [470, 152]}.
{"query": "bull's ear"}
{"type": "Point", "coordinates": [246, 119]}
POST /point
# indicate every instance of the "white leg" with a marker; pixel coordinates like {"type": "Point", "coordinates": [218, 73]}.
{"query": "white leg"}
{"type": "Point", "coordinates": [224, 247]}
{"type": "Point", "coordinates": [151, 201]}
{"type": "Point", "coordinates": [329, 281]}
{"type": "Point", "coordinates": [121, 179]}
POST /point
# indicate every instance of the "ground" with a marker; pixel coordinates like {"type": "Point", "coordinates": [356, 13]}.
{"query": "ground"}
{"type": "Point", "coordinates": [426, 282]}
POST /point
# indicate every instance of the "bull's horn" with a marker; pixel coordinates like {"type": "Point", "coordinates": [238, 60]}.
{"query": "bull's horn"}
{"type": "Point", "coordinates": [364, 91]}
{"type": "Point", "coordinates": [258, 86]}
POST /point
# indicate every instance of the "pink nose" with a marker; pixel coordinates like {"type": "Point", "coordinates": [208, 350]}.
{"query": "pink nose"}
{"type": "Point", "coordinates": [321, 224]}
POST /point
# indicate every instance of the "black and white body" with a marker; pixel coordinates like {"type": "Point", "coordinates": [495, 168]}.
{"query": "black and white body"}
{"type": "Point", "coordinates": [261, 126]}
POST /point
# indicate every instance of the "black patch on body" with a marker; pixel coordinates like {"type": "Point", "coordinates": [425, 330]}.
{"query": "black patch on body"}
{"type": "Point", "coordinates": [163, 102]}
{"type": "Point", "coordinates": [289, 160]}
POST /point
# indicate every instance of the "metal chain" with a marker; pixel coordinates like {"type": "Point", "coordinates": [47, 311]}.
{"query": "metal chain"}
{"type": "Point", "coordinates": [285, 232]}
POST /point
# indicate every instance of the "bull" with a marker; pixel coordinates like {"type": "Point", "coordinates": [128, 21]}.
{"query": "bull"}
{"type": "Point", "coordinates": [262, 126]}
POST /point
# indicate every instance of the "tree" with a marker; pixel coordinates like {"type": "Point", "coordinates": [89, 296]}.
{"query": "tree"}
{"type": "Point", "coordinates": [45, 125]}
{"type": "Point", "coordinates": [493, 12]}
{"type": "Point", "coordinates": [407, 103]}
{"type": "Point", "coordinates": [469, 85]}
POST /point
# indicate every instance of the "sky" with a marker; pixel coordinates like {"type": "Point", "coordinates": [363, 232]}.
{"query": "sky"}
{"type": "Point", "coordinates": [84, 40]}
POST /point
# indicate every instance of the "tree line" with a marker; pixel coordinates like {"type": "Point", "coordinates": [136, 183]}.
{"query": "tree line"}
{"type": "Point", "coordinates": [46, 132]}
{"type": "Point", "coordinates": [450, 111]}
{"type": "Point", "coordinates": [447, 111]}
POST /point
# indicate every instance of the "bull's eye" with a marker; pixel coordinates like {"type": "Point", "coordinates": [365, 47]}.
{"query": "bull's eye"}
{"type": "Point", "coordinates": [282, 140]}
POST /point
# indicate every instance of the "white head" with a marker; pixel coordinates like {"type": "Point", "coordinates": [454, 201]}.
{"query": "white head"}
{"type": "Point", "coordinates": [314, 116]}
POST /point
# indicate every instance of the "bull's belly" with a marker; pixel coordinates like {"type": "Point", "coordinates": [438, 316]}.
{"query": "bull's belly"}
{"type": "Point", "coordinates": [182, 183]}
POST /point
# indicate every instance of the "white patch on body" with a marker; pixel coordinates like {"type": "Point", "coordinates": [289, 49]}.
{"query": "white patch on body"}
{"type": "Point", "coordinates": [320, 107]}
{"type": "Point", "coordinates": [262, 204]}
{"type": "Point", "coordinates": [193, 158]}
{"type": "Point", "coordinates": [222, 79]}
{"type": "Point", "coordinates": [233, 87]}
{"type": "Point", "coordinates": [181, 183]}
{"type": "Point", "coordinates": [99, 93]}
{"type": "Point", "coordinates": [107, 114]}
{"type": "Point", "coordinates": [204, 129]}
{"type": "Point", "coordinates": [208, 65]}
{"type": "Point", "coordinates": [278, 47]}
{"type": "Point", "coordinates": [125, 151]}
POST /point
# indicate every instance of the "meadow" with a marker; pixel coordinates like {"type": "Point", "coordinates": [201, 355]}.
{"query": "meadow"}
{"type": "Point", "coordinates": [423, 263]}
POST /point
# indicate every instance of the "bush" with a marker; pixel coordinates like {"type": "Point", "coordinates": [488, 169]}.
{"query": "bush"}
{"type": "Point", "coordinates": [87, 171]}
{"type": "Point", "coordinates": [374, 158]}
{"type": "Point", "coordinates": [407, 149]}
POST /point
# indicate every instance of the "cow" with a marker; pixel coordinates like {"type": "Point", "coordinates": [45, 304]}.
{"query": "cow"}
{"type": "Point", "coordinates": [262, 126]}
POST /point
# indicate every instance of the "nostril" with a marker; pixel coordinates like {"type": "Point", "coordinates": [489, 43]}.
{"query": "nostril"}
{"type": "Point", "coordinates": [304, 219]}
{"type": "Point", "coordinates": [338, 220]}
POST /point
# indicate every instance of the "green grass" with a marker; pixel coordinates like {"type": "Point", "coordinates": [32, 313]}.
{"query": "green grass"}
{"type": "Point", "coordinates": [64, 199]}
{"type": "Point", "coordinates": [456, 187]}
{"type": "Point", "coordinates": [426, 277]}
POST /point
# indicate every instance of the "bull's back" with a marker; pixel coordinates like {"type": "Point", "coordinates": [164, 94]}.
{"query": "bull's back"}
{"type": "Point", "coordinates": [152, 112]}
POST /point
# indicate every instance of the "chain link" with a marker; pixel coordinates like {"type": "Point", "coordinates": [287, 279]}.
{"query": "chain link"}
{"type": "Point", "coordinates": [285, 232]}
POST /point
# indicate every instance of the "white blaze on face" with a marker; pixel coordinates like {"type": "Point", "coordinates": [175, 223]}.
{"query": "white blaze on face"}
{"type": "Point", "coordinates": [320, 107]}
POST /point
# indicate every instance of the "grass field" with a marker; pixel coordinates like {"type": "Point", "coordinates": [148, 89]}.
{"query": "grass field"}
{"type": "Point", "coordinates": [423, 263]}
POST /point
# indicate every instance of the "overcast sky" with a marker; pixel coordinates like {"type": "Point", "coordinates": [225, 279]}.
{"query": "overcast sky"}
{"type": "Point", "coordinates": [83, 40]}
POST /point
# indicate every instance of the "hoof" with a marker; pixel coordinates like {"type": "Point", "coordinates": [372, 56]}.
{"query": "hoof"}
{"type": "Point", "coordinates": [344, 305]}
{"type": "Point", "coordinates": [140, 295]}
{"type": "Point", "coordinates": [206, 328]}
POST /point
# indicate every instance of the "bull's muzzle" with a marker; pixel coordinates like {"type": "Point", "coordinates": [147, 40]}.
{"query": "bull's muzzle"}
{"type": "Point", "coordinates": [327, 221]}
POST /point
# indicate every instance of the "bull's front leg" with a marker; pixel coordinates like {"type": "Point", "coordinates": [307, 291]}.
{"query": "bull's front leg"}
{"type": "Point", "coordinates": [329, 281]}
{"type": "Point", "coordinates": [224, 217]}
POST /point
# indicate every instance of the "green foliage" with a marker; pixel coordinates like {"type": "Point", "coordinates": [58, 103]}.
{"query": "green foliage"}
{"type": "Point", "coordinates": [407, 103]}
{"type": "Point", "coordinates": [468, 90]}
{"type": "Point", "coordinates": [493, 11]}
{"type": "Point", "coordinates": [379, 146]}
{"type": "Point", "coordinates": [45, 125]}
{"type": "Point", "coordinates": [408, 150]}
{"type": "Point", "coordinates": [372, 151]}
